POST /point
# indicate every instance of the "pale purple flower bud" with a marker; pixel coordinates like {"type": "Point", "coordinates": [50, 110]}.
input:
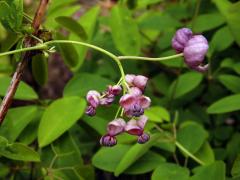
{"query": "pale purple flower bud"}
{"type": "Point", "coordinates": [129, 78]}
{"type": "Point", "coordinates": [93, 98]}
{"type": "Point", "coordinates": [90, 111]}
{"type": "Point", "coordinates": [116, 126]}
{"type": "Point", "coordinates": [195, 51]}
{"type": "Point", "coordinates": [140, 81]}
{"type": "Point", "coordinates": [108, 141]}
{"type": "Point", "coordinates": [182, 36]}
{"type": "Point", "coordinates": [136, 127]}
{"type": "Point", "coordinates": [135, 91]}
{"type": "Point", "coordinates": [143, 138]}
{"type": "Point", "coordinates": [114, 90]}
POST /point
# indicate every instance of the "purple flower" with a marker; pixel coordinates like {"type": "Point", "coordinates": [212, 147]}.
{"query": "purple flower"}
{"type": "Point", "coordinates": [115, 127]}
{"type": "Point", "coordinates": [93, 98]}
{"type": "Point", "coordinates": [143, 138]}
{"type": "Point", "coordinates": [108, 141]}
{"type": "Point", "coordinates": [179, 41]}
{"type": "Point", "coordinates": [140, 81]}
{"type": "Point", "coordinates": [135, 91]}
{"type": "Point", "coordinates": [195, 51]}
{"type": "Point", "coordinates": [91, 111]}
{"type": "Point", "coordinates": [129, 79]}
{"type": "Point", "coordinates": [134, 105]}
{"type": "Point", "coordinates": [114, 90]}
{"type": "Point", "coordinates": [136, 127]}
{"type": "Point", "coordinates": [107, 100]}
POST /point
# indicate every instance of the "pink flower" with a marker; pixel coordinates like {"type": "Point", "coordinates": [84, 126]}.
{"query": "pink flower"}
{"type": "Point", "coordinates": [134, 105]}
{"type": "Point", "coordinates": [129, 79]}
{"type": "Point", "coordinates": [93, 98]}
{"type": "Point", "coordinates": [115, 127]}
{"type": "Point", "coordinates": [140, 82]}
{"type": "Point", "coordinates": [136, 127]}
{"type": "Point", "coordinates": [114, 90]}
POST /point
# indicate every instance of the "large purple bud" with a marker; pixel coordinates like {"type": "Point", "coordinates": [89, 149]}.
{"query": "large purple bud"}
{"type": "Point", "coordinates": [195, 51]}
{"type": "Point", "coordinates": [179, 41]}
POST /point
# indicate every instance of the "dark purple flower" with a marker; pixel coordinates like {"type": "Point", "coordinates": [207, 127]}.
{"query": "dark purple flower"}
{"type": "Point", "coordinates": [195, 51]}
{"type": "Point", "coordinates": [91, 111]}
{"type": "Point", "coordinates": [93, 98]}
{"type": "Point", "coordinates": [136, 127]}
{"type": "Point", "coordinates": [179, 41]}
{"type": "Point", "coordinates": [134, 105]}
{"type": "Point", "coordinates": [143, 138]}
{"type": "Point", "coordinates": [108, 141]}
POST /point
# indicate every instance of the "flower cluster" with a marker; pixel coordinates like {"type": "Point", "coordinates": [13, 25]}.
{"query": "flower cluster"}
{"type": "Point", "coordinates": [194, 48]}
{"type": "Point", "coordinates": [133, 104]}
{"type": "Point", "coordinates": [95, 99]}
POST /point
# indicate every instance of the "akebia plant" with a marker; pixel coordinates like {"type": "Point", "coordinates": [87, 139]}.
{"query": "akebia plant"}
{"type": "Point", "coordinates": [130, 116]}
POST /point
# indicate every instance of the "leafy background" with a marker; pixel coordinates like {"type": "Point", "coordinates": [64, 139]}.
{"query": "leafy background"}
{"type": "Point", "coordinates": [193, 120]}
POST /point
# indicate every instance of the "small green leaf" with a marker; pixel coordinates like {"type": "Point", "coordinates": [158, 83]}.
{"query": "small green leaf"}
{"type": "Point", "coordinates": [221, 40]}
{"type": "Point", "coordinates": [236, 168]}
{"type": "Point", "coordinates": [58, 118]}
{"type": "Point", "coordinates": [134, 153]}
{"type": "Point", "coordinates": [40, 68]}
{"type": "Point", "coordinates": [205, 154]}
{"type": "Point", "coordinates": [225, 105]}
{"type": "Point", "coordinates": [24, 91]}
{"type": "Point", "coordinates": [170, 171]}
{"type": "Point", "coordinates": [215, 170]}
{"type": "Point", "coordinates": [205, 22]}
{"type": "Point", "coordinates": [192, 136]}
{"type": "Point", "coordinates": [21, 152]}
{"type": "Point", "coordinates": [16, 120]}
{"type": "Point", "coordinates": [80, 84]}
{"type": "Point", "coordinates": [231, 82]}
{"type": "Point", "coordinates": [72, 25]}
{"type": "Point", "coordinates": [157, 114]}
{"type": "Point", "coordinates": [183, 85]}
{"type": "Point", "coordinates": [125, 31]}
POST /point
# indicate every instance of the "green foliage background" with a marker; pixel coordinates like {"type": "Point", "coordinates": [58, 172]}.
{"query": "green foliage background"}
{"type": "Point", "coordinates": [194, 120]}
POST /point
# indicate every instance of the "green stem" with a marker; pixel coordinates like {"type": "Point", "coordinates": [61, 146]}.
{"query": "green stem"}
{"type": "Point", "coordinates": [115, 58]}
{"type": "Point", "coordinates": [184, 150]}
{"type": "Point", "coordinates": [150, 59]}
{"type": "Point", "coordinates": [38, 47]}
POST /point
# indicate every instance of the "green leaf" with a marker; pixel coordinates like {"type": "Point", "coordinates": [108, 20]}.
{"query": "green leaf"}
{"type": "Point", "coordinates": [134, 153]}
{"type": "Point", "coordinates": [231, 12]}
{"type": "Point", "coordinates": [146, 163]}
{"type": "Point", "coordinates": [144, 3]}
{"type": "Point", "coordinates": [68, 52]}
{"type": "Point", "coordinates": [18, 151]}
{"type": "Point", "coordinates": [205, 22]}
{"type": "Point", "coordinates": [40, 69]}
{"type": "Point", "coordinates": [183, 86]}
{"type": "Point", "coordinates": [58, 118]}
{"type": "Point", "coordinates": [235, 172]}
{"type": "Point", "coordinates": [16, 120]}
{"type": "Point", "coordinates": [108, 158]}
{"type": "Point", "coordinates": [205, 154]}
{"type": "Point", "coordinates": [72, 25]}
{"type": "Point", "coordinates": [192, 136]}
{"type": "Point", "coordinates": [125, 31]}
{"type": "Point", "coordinates": [80, 84]}
{"type": "Point", "coordinates": [24, 91]}
{"type": "Point", "coordinates": [157, 114]}
{"type": "Point", "coordinates": [12, 14]}
{"type": "Point", "coordinates": [231, 82]}
{"type": "Point", "coordinates": [88, 21]}
{"type": "Point", "coordinates": [215, 170]}
{"type": "Point", "coordinates": [225, 105]}
{"type": "Point", "coordinates": [221, 40]}
{"type": "Point", "coordinates": [170, 171]}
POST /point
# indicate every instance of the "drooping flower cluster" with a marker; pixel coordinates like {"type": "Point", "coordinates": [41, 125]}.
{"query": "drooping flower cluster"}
{"type": "Point", "coordinates": [133, 104]}
{"type": "Point", "coordinates": [194, 48]}
{"type": "Point", "coordinates": [95, 99]}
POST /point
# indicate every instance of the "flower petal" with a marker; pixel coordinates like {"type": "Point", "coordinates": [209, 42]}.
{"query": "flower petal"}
{"type": "Point", "coordinates": [116, 127]}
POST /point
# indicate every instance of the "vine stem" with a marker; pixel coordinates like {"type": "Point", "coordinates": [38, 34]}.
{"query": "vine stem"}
{"type": "Point", "coordinates": [184, 150]}
{"type": "Point", "coordinates": [150, 59]}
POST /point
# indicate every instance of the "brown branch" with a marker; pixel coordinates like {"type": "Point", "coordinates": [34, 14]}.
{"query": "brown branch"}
{"type": "Point", "coordinates": [17, 76]}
